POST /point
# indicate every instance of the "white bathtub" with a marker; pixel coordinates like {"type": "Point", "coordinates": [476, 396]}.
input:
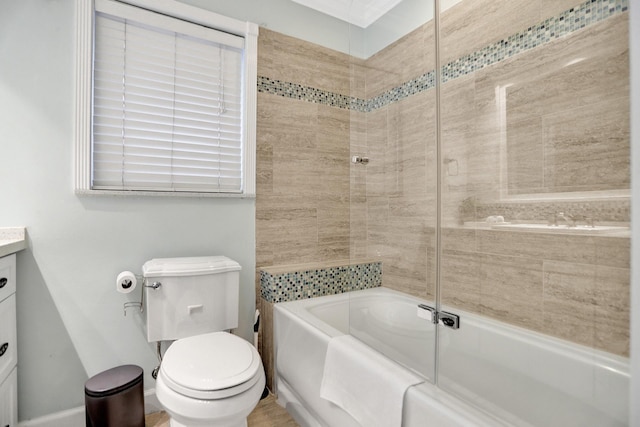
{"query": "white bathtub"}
{"type": "Point", "coordinates": [516, 376]}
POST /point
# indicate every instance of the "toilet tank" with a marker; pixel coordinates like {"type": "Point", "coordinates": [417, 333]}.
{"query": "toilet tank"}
{"type": "Point", "coordinates": [194, 296]}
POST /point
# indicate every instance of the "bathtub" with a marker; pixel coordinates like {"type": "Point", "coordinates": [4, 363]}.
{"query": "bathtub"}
{"type": "Point", "coordinates": [489, 373]}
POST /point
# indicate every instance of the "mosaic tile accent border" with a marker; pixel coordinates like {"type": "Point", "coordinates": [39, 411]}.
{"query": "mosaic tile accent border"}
{"type": "Point", "coordinates": [306, 93]}
{"type": "Point", "coordinates": [576, 18]}
{"type": "Point", "coordinates": [310, 283]}
{"type": "Point", "coordinates": [332, 99]}
{"type": "Point", "coordinates": [599, 211]}
{"type": "Point", "coordinates": [420, 84]}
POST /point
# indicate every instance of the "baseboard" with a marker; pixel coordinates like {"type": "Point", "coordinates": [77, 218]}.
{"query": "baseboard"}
{"type": "Point", "coordinates": [75, 417]}
{"type": "Point", "coordinates": [69, 418]}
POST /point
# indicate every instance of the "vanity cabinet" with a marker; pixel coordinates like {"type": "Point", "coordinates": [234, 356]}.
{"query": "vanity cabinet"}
{"type": "Point", "coordinates": [8, 347]}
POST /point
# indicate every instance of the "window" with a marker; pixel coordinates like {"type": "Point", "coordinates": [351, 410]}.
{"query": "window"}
{"type": "Point", "coordinates": [170, 100]}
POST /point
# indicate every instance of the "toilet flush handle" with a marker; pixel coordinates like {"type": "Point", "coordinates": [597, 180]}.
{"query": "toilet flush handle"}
{"type": "Point", "coordinates": [154, 285]}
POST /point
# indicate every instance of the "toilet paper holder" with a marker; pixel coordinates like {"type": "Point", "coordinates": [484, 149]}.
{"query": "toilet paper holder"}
{"type": "Point", "coordinates": [131, 304]}
{"type": "Point", "coordinates": [136, 304]}
{"type": "Point", "coordinates": [140, 304]}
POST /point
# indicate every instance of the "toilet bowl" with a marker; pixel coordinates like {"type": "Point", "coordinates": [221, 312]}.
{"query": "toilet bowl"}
{"type": "Point", "coordinates": [213, 379]}
{"type": "Point", "coordinates": [208, 377]}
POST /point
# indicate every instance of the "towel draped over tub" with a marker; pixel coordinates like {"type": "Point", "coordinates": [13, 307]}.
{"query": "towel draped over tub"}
{"type": "Point", "coordinates": [366, 384]}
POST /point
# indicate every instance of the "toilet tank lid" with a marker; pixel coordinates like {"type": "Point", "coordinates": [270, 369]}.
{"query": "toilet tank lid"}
{"type": "Point", "coordinates": [188, 266]}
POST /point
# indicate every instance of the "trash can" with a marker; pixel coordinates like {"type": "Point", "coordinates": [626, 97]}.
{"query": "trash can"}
{"type": "Point", "coordinates": [115, 398]}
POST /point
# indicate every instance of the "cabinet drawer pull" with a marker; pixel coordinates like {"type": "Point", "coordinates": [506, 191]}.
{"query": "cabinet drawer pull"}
{"type": "Point", "coordinates": [3, 348]}
{"type": "Point", "coordinates": [3, 282]}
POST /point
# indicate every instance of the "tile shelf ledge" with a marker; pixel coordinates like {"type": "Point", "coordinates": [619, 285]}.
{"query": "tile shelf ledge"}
{"type": "Point", "coordinates": [287, 268]}
{"type": "Point", "coordinates": [12, 240]}
{"type": "Point", "coordinates": [603, 229]}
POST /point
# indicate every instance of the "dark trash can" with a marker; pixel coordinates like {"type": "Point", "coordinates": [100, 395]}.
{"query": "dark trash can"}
{"type": "Point", "coordinates": [115, 398]}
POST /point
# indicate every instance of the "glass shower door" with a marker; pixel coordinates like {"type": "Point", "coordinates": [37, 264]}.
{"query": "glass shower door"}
{"type": "Point", "coordinates": [393, 192]}
{"type": "Point", "coordinates": [534, 151]}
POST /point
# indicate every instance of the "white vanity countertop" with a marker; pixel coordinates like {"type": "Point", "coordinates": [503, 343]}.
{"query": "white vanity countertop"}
{"type": "Point", "coordinates": [12, 239]}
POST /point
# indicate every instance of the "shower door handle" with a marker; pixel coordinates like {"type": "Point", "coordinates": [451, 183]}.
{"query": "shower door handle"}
{"type": "Point", "coordinates": [434, 316]}
{"type": "Point", "coordinates": [449, 320]}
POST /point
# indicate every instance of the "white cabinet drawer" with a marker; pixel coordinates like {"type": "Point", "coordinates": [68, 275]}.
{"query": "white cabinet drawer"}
{"type": "Point", "coordinates": [7, 276]}
{"type": "Point", "coordinates": [8, 347]}
{"type": "Point", "coordinates": [9, 400]}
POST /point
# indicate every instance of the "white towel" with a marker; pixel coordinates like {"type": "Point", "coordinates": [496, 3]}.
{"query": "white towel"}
{"type": "Point", "coordinates": [367, 385]}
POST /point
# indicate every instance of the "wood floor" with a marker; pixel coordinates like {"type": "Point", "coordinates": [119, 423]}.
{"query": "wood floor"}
{"type": "Point", "coordinates": [267, 414]}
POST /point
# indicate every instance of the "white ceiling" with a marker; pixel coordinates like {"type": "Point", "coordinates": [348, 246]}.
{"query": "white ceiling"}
{"type": "Point", "coordinates": [358, 12]}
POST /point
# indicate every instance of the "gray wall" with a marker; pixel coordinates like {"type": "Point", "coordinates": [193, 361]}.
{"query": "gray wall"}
{"type": "Point", "coordinates": [70, 318]}
{"type": "Point", "coordinates": [292, 19]}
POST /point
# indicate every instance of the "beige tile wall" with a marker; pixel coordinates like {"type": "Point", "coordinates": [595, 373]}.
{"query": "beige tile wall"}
{"type": "Point", "coordinates": [462, 31]}
{"type": "Point", "coordinates": [303, 168]}
{"type": "Point", "coordinates": [571, 287]}
{"type": "Point", "coordinates": [400, 192]}
{"type": "Point", "coordinates": [563, 113]}
{"type": "Point", "coordinates": [555, 142]}
{"type": "Point", "coordinates": [397, 201]}
{"type": "Point", "coordinates": [314, 205]}
{"type": "Point", "coordinates": [293, 60]}
{"type": "Point", "coordinates": [302, 203]}
{"type": "Point", "coordinates": [403, 60]}
{"type": "Point", "coordinates": [551, 284]}
{"type": "Point", "coordinates": [473, 24]}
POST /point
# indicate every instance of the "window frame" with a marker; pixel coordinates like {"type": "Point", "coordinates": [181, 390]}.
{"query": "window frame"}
{"type": "Point", "coordinates": [84, 92]}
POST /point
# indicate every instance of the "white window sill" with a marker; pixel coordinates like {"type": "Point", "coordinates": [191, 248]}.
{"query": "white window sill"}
{"type": "Point", "coordinates": [116, 193]}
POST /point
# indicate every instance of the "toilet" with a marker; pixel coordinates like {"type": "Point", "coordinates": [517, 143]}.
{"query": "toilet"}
{"type": "Point", "coordinates": [208, 377]}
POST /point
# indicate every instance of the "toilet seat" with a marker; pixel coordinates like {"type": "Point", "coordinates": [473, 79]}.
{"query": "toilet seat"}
{"type": "Point", "coordinates": [211, 366]}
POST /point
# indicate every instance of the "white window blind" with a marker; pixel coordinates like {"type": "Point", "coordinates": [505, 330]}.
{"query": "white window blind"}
{"type": "Point", "coordinates": [167, 104]}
